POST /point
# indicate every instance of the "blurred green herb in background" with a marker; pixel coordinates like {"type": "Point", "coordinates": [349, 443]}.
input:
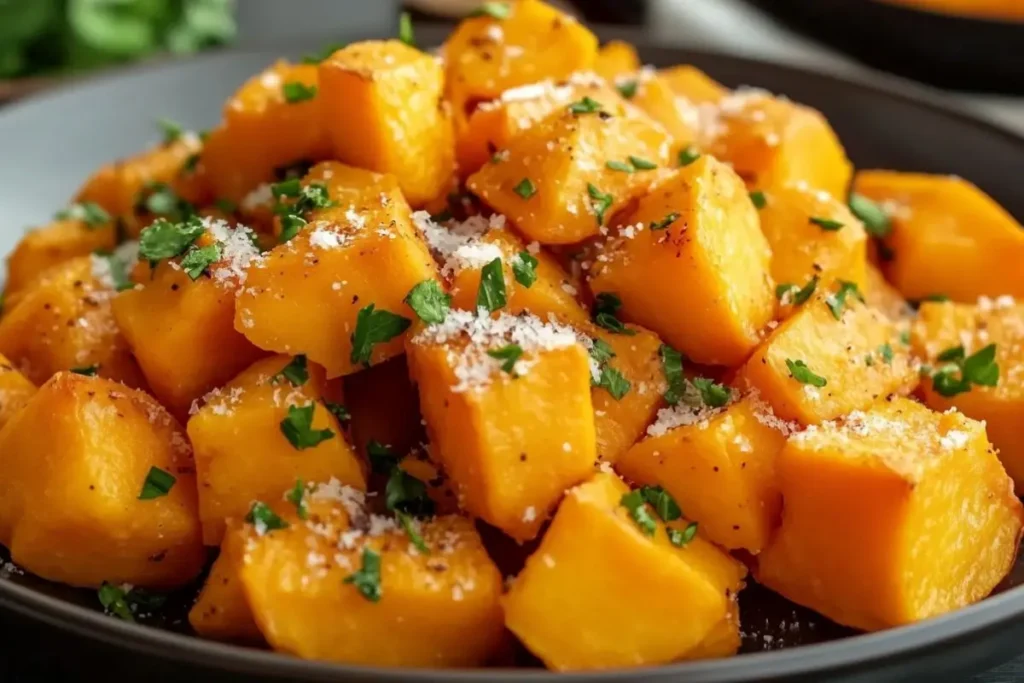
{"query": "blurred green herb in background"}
{"type": "Point", "coordinates": [46, 36]}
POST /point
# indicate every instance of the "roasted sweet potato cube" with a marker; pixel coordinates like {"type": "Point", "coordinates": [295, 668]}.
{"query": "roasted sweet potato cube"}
{"type": "Point", "coordinates": [942, 328]}
{"type": "Point", "coordinates": [272, 121]}
{"type": "Point", "coordinates": [252, 441]}
{"type": "Point", "coordinates": [384, 407]}
{"type": "Point", "coordinates": [15, 391]}
{"type": "Point", "coordinates": [51, 244]}
{"type": "Point", "coordinates": [678, 237]}
{"type": "Point", "coordinates": [947, 237]}
{"type": "Point", "coordinates": [222, 610]}
{"type": "Point", "coordinates": [401, 606]}
{"type": "Point", "coordinates": [616, 58]}
{"type": "Point", "coordinates": [508, 410]}
{"type": "Point", "coordinates": [693, 84]}
{"type": "Point", "coordinates": [718, 464]}
{"type": "Point", "coordinates": [308, 295]}
{"type": "Point", "coordinates": [879, 294]}
{"type": "Point", "coordinates": [553, 180]}
{"type": "Point", "coordinates": [99, 486]}
{"type": "Point", "coordinates": [723, 640]}
{"type": "Point", "coordinates": [872, 498]}
{"type": "Point", "coordinates": [773, 142]}
{"type": "Point", "coordinates": [571, 604]}
{"type": "Point", "coordinates": [654, 94]}
{"type": "Point", "coordinates": [485, 56]}
{"type": "Point", "coordinates": [64, 321]}
{"type": "Point", "coordinates": [167, 311]}
{"type": "Point", "coordinates": [812, 234]}
{"type": "Point", "coordinates": [382, 110]}
{"type": "Point", "coordinates": [833, 355]}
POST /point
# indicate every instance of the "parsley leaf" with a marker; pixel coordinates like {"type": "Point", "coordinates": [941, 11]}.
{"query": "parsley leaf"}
{"type": "Point", "coordinates": [429, 302]}
{"type": "Point", "coordinates": [687, 156]}
{"type": "Point", "coordinates": [382, 458]}
{"type": "Point", "coordinates": [601, 351]}
{"type": "Point", "coordinates": [606, 305]}
{"type": "Point", "coordinates": [938, 298]}
{"type": "Point", "coordinates": [875, 219]}
{"type": "Point", "coordinates": [374, 327]}
{"type": "Point", "coordinates": [955, 354]}
{"type": "Point", "coordinates": [662, 502]}
{"type": "Point", "coordinates": [681, 537]}
{"type": "Point", "coordinates": [264, 519]}
{"type": "Point", "coordinates": [296, 91]}
{"type": "Point", "coordinates": [980, 368]}
{"type": "Point", "coordinates": [406, 493]}
{"type": "Point", "coordinates": [339, 411]}
{"type": "Point", "coordinates": [297, 427]}
{"type": "Point", "coordinates": [158, 483]}
{"type": "Point", "coordinates": [296, 372]}
{"type": "Point", "coordinates": [601, 202]}
{"type": "Point", "coordinates": [641, 164]}
{"type": "Point", "coordinates": [587, 105]}
{"type": "Point", "coordinates": [322, 54]}
{"type": "Point", "coordinates": [290, 227]}
{"type": "Point", "coordinates": [612, 380]}
{"type": "Point", "coordinates": [367, 579]}
{"type": "Point", "coordinates": [836, 302]}
{"type": "Point", "coordinates": [408, 525]}
{"type": "Point", "coordinates": [405, 30]}
{"type": "Point", "coordinates": [494, 10]}
{"type": "Point", "coordinates": [198, 259]}
{"type": "Point", "coordinates": [291, 187]}
{"type": "Point", "coordinates": [86, 370]}
{"type": "Point", "coordinates": [622, 166]}
{"type": "Point", "coordinates": [759, 200]}
{"type": "Point", "coordinates": [524, 267]}
{"type": "Point", "coordinates": [491, 293]}
{"type": "Point", "coordinates": [163, 239]}
{"type": "Point", "coordinates": [788, 293]}
{"type": "Point", "coordinates": [886, 351]}
{"type": "Point", "coordinates": [634, 501]}
{"type": "Point", "coordinates": [627, 88]}
{"type": "Point", "coordinates": [668, 220]}
{"type": "Point", "coordinates": [113, 599]}
{"type": "Point", "coordinates": [826, 224]}
{"type": "Point", "coordinates": [803, 374]}
{"type": "Point", "coordinates": [90, 213]}
{"type": "Point", "coordinates": [711, 393]}
{"type": "Point", "coordinates": [672, 366]}
{"type": "Point", "coordinates": [160, 199]}
{"type": "Point", "coordinates": [509, 353]}
{"type": "Point", "coordinates": [525, 188]}
{"type": "Point", "coordinates": [171, 130]}
{"type": "Point", "coordinates": [118, 271]}
{"type": "Point", "coordinates": [296, 496]}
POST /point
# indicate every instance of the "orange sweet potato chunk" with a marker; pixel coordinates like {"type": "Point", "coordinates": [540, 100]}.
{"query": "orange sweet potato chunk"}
{"type": "Point", "coordinates": [792, 219]}
{"type": "Point", "coordinates": [815, 367]}
{"type": "Point", "coordinates": [51, 244]}
{"type": "Point", "coordinates": [75, 463]}
{"type": "Point", "coordinates": [510, 440]}
{"type": "Point", "coordinates": [553, 180]}
{"type": "Point", "coordinates": [15, 391]}
{"type": "Point", "coordinates": [879, 294]}
{"type": "Point", "coordinates": [869, 500]}
{"type": "Point", "coordinates": [382, 110]}
{"type": "Point", "coordinates": [616, 58]}
{"type": "Point", "coordinates": [948, 237]}
{"type": "Point", "coordinates": [773, 142]}
{"type": "Point", "coordinates": [706, 248]}
{"type": "Point", "coordinates": [263, 132]}
{"type": "Point", "coordinates": [654, 94]}
{"type": "Point", "coordinates": [485, 57]}
{"type": "Point", "coordinates": [306, 295]}
{"type": "Point", "coordinates": [693, 84]}
{"type": "Point", "coordinates": [243, 453]}
{"type": "Point", "coordinates": [719, 466]}
{"type": "Point", "coordinates": [432, 609]}
{"type": "Point", "coordinates": [222, 610]}
{"type": "Point", "coordinates": [572, 603]}
{"type": "Point", "coordinates": [943, 326]}
{"type": "Point", "coordinates": [64, 321]}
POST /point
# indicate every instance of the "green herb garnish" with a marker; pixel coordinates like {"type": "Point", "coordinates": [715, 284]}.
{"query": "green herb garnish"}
{"type": "Point", "coordinates": [158, 483]}
{"type": "Point", "coordinates": [374, 327]}
{"type": "Point", "coordinates": [163, 239]}
{"type": "Point", "coordinates": [826, 224]}
{"type": "Point", "coordinates": [681, 537]}
{"type": "Point", "coordinates": [525, 188]}
{"type": "Point", "coordinates": [494, 10]}
{"type": "Point", "coordinates": [172, 130]}
{"type": "Point", "coordinates": [627, 88]}
{"type": "Point", "coordinates": [429, 302]}
{"type": "Point", "coordinates": [961, 371]}
{"type": "Point", "coordinates": [491, 293]}
{"type": "Point", "coordinates": [711, 393]}
{"type": "Point", "coordinates": [668, 220]}
{"type": "Point", "coordinates": [587, 105]}
{"type": "Point", "coordinates": [405, 30]}
{"type": "Point", "coordinates": [606, 306]}
{"type": "Point", "coordinates": [90, 213]}
{"type": "Point", "coordinates": [613, 381]}
{"type": "Point", "coordinates": [297, 497]}
{"type": "Point", "coordinates": [672, 366]}
{"type": "Point", "coordinates": [296, 91]}
{"type": "Point", "coordinates": [758, 199]}
{"type": "Point", "coordinates": [198, 259]}
{"type": "Point", "coordinates": [687, 156]}
{"type": "Point", "coordinates": [297, 427]}
{"type": "Point", "coordinates": [803, 374]}
{"type": "Point", "coordinates": [524, 268]}
{"type": "Point", "coordinates": [264, 519]}
{"type": "Point", "coordinates": [510, 353]}
{"type": "Point", "coordinates": [601, 202]}
{"type": "Point", "coordinates": [296, 372]}
{"type": "Point", "coordinates": [662, 501]}
{"type": "Point", "coordinates": [788, 293]}
{"type": "Point", "coordinates": [875, 219]}
{"type": "Point", "coordinates": [635, 502]}
{"type": "Point", "coordinates": [836, 302]}
{"type": "Point", "coordinates": [367, 579]}
{"type": "Point", "coordinates": [86, 370]}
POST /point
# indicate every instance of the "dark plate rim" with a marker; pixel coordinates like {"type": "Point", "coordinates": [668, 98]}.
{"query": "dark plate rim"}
{"type": "Point", "coordinates": [804, 660]}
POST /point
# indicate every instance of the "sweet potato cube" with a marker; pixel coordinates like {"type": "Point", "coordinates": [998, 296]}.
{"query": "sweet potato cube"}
{"type": "Point", "coordinates": [244, 452]}
{"type": "Point", "coordinates": [401, 607]}
{"type": "Point", "coordinates": [719, 465]}
{"type": "Point", "coordinates": [872, 498]}
{"type": "Point", "coordinates": [879, 294]}
{"type": "Point", "coordinates": [308, 294]}
{"type": "Point", "coordinates": [773, 142]}
{"type": "Point", "coordinates": [553, 180]}
{"type": "Point", "coordinates": [222, 610]}
{"type": "Point", "coordinates": [792, 218]}
{"type": "Point", "coordinates": [616, 58]}
{"type": "Point", "coordinates": [382, 110]}
{"type": "Point", "coordinates": [51, 244]}
{"type": "Point", "coordinates": [15, 391]}
{"type": "Point", "coordinates": [948, 237]}
{"type": "Point", "coordinates": [693, 84]}
{"type": "Point", "coordinates": [595, 567]}
{"type": "Point", "coordinates": [654, 94]}
{"type": "Point", "coordinates": [508, 410]}
{"type": "Point", "coordinates": [168, 311]}
{"type": "Point", "coordinates": [723, 640]}
{"type": "Point", "coordinates": [485, 57]}
{"type": "Point", "coordinates": [263, 131]}
{"type": "Point", "coordinates": [79, 500]}
{"type": "Point", "coordinates": [942, 327]}
{"type": "Point", "coordinates": [678, 237]}
{"type": "Point", "coordinates": [833, 355]}
{"type": "Point", "coordinates": [64, 321]}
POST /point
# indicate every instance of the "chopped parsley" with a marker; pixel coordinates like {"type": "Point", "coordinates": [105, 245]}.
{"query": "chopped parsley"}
{"type": "Point", "coordinates": [758, 199]}
{"type": "Point", "coordinates": [955, 354]}
{"type": "Point", "coordinates": [711, 393]}
{"type": "Point", "coordinates": [405, 31]}
{"type": "Point", "coordinates": [491, 293]}
{"type": "Point", "coordinates": [962, 371]}
{"type": "Point", "coordinates": [163, 239]}
{"type": "Point", "coordinates": [836, 302]}
{"type": "Point", "coordinates": [601, 351]}
{"type": "Point", "coordinates": [87, 370]}
{"type": "Point", "coordinates": [90, 213]}
{"type": "Point", "coordinates": [687, 156]}
{"type": "Point", "coordinates": [291, 225]}
{"type": "Point", "coordinates": [429, 302]}
{"type": "Point", "coordinates": [405, 493]}
{"type": "Point", "coordinates": [296, 91]}
{"type": "Point", "coordinates": [118, 271]}
{"type": "Point", "coordinates": [875, 219]}
{"type": "Point", "coordinates": [937, 298]}
{"type": "Point", "coordinates": [681, 537]}
{"type": "Point", "coordinates": [510, 353]}
{"type": "Point", "coordinates": [803, 374]}
{"type": "Point", "coordinates": [296, 372]}
{"type": "Point", "coordinates": [410, 529]}
{"type": "Point", "coordinates": [826, 224]}
{"type": "Point", "coordinates": [339, 411]}
{"type": "Point", "coordinates": [635, 502]}
{"type": "Point", "coordinates": [627, 88]}
{"type": "Point", "coordinates": [382, 458]}
{"type": "Point", "coordinates": [613, 381]}
{"type": "Point", "coordinates": [160, 199]}
{"type": "Point", "coordinates": [662, 501]}
{"type": "Point", "coordinates": [641, 164]}
{"type": "Point", "coordinates": [158, 484]}
{"type": "Point", "coordinates": [587, 105]}
{"type": "Point", "coordinates": [788, 293]}
{"type": "Point", "coordinates": [297, 427]}
{"type": "Point", "coordinates": [524, 267]}
{"type": "Point", "coordinates": [885, 350]}
{"type": "Point", "coordinates": [668, 220]}
{"type": "Point", "coordinates": [367, 579]}
{"type": "Point", "coordinates": [600, 203]}
{"type": "Point", "coordinates": [672, 366]}
{"type": "Point", "coordinates": [290, 187]}
{"type": "Point", "coordinates": [114, 600]}
{"type": "Point", "coordinates": [374, 327]}
{"type": "Point", "coordinates": [525, 188]}
{"type": "Point", "coordinates": [297, 497]}
{"type": "Point", "coordinates": [198, 259]}
{"type": "Point", "coordinates": [494, 10]}
{"type": "Point", "coordinates": [190, 164]}
{"type": "Point", "coordinates": [172, 130]}
{"type": "Point", "coordinates": [264, 519]}
{"type": "Point", "coordinates": [622, 166]}
{"type": "Point", "coordinates": [322, 54]}
{"type": "Point", "coordinates": [606, 306]}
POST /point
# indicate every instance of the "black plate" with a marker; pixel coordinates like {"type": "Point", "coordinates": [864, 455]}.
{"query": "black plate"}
{"type": "Point", "coordinates": [950, 51]}
{"type": "Point", "coordinates": [51, 143]}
